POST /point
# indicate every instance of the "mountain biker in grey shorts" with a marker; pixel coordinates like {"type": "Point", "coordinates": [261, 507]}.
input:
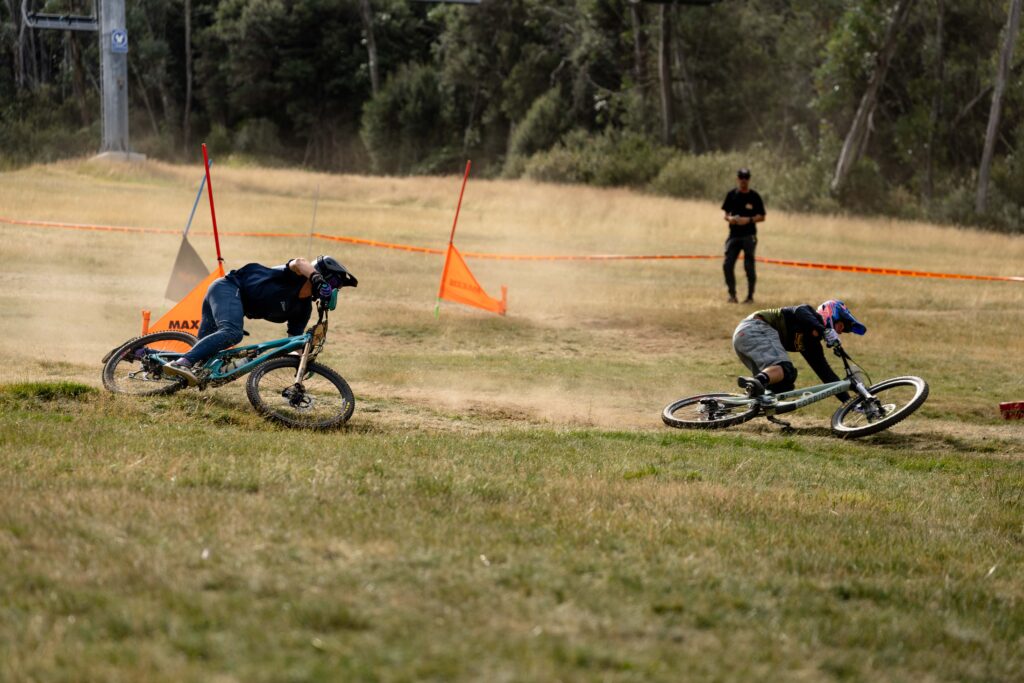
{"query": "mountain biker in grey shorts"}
{"type": "Point", "coordinates": [763, 338]}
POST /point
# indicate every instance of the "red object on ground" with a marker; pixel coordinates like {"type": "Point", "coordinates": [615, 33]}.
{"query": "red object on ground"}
{"type": "Point", "coordinates": [1012, 410]}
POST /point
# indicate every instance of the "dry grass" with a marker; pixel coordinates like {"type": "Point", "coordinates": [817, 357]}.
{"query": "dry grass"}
{"type": "Point", "coordinates": [505, 504]}
{"type": "Point", "coordinates": [629, 336]}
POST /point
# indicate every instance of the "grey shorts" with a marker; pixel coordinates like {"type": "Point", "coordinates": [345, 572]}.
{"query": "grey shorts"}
{"type": "Point", "coordinates": [758, 345]}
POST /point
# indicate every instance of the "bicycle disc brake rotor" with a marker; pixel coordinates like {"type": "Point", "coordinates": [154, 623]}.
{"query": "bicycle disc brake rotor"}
{"type": "Point", "coordinates": [885, 410]}
{"type": "Point", "coordinates": [297, 397]}
{"type": "Point", "coordinates": [149, 372]}
{"type": "Point", "coordinates": [712, 409]}
{"type": "Point", "coordinates": [874, 410]}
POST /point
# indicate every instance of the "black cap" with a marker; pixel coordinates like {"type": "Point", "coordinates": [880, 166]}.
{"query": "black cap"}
{"type": "Point", "coordinates": [743, 173]}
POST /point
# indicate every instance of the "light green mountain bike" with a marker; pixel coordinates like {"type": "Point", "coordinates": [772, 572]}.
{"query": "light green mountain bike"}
{"type": "Point", "coordinates": [874, 408]}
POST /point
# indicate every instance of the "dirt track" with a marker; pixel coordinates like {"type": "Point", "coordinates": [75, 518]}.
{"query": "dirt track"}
{"type": "Point", "coordinates": [584, 344]}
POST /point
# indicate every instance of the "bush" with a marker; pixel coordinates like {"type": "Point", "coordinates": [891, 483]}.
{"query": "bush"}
{"type": "Point", "coordinates": [701, 176]}
{"type": "Point", "coordinates": [608, 159]}
{"type": "Point", "coordinates": [36, 129]}
{"type": "Point", "coordinates": [406, 127]}
{"type": "Point", "coordinates": [781, 183]}
{"type": "Point", "coordinates": [865, 189]}
{"type": "Point", "coordinates": [259, 138]}
{"type": "Point", "coordinates": [540, 129]}
{"type": "Point", "coordinates": [219, 141]}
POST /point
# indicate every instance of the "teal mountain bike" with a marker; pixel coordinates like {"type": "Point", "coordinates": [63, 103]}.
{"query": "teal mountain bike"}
{"type": "Point", "coordinates": [285, 383]}
{"type": "Point", "coordinates": [873, 408]}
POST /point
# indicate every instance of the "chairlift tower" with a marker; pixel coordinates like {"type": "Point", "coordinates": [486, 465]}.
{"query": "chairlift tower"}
{"type": "Point", "coordinates": [113, 37]}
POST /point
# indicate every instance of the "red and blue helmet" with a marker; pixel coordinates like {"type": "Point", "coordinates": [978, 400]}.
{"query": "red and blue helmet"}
{"type": "Point", "coordinates": [835, 311]}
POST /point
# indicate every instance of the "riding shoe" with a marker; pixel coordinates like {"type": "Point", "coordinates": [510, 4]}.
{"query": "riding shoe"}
{"type": "Point", "coordinates": [176, 369]}
{"type": "Point", "coordinates": [753, 387]}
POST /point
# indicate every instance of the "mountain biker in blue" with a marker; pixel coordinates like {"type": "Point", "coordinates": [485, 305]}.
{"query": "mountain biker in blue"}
{"type": "Point", "coordinates": [762, 339]}
{"type": "Point", "coordinates": [282, 294]}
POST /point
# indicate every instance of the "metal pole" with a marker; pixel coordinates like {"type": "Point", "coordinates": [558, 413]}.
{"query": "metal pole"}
{"type": "Point", "coordinates": [113, 46]}
{"type": "Point", "coordinates": [312, 226]}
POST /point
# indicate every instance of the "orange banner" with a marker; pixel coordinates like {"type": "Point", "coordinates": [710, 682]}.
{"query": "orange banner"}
{"type": "Point", "coordinates": [459, 285]}
{"type": "Point", "coordinates": [187, 313]}
{"type": "Point", "coordinates": [867, 270]}
{"type": "Point", "coordinates": [873, 270]}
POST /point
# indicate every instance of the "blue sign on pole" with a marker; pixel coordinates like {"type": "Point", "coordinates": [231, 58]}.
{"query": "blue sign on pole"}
{"type": "Point", "coordinates": [119, 41]}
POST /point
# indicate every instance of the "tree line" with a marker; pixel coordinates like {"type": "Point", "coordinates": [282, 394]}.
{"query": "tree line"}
{"type": "Point", "coordinates": [903, 107]}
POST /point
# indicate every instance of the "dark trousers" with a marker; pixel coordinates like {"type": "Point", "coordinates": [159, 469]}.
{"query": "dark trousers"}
{"type": "Point", "coordinates": [221, 326]}
{"type": "Point", "coordinates": [733, 247]}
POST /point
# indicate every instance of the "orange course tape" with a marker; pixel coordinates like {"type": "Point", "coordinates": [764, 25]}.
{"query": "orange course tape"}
{"type": "Point", "coordinates": [869, 270]}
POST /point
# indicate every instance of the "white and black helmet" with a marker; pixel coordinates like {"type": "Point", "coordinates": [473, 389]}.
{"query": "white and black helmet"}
{"type": "Point", "coordinates": [335, 274]}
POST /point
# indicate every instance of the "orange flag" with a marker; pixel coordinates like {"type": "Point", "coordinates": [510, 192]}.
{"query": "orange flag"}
{"type": "Point", "coordinates": [459, 285]}
{"type": "Point", "coordinates": [187, 313]}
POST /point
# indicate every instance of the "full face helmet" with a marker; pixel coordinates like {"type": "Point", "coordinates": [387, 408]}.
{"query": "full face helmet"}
{"type": "Point", "coordinates": [335, 274]}
{"type": "Point", "coordinates": [837, 316]}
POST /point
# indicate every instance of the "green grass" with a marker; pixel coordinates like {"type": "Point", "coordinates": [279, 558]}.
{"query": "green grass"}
{"type": "Point", "coordinates": [151, 540]}
{"type": "Point", "coordinates": [46, 391]}
{"type": "Point", "coordinates": [505, 503]}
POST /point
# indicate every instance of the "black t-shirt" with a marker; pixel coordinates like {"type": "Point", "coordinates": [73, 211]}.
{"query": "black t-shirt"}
{"type": "Point", "coordinates": [273, 294]}
{"type": "Point", "coordinates": [797, 326]}
{"type": "Point", "coordinates": [747, 204]}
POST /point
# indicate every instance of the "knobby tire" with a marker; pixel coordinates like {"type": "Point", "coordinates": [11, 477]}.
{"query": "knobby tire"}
{"type": "Point", "coordinates": [700, 417]}
{"type": "Point", "coordinates": [900, 413]}
{"type": "Point", "coordinates": [268, 381]}
{"type": "Point", "coordinates": [121, 359]}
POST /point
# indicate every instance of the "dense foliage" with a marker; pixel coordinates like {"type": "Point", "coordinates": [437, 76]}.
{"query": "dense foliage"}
{"type": "Point", "coordinates": [597, 91]}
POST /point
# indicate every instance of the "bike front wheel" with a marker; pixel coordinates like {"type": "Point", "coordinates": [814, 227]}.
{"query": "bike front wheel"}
{"type": "Point", "coordinates": [893, 401]}
{"type": "Point", "coordinates": [322, 400]}
{"type": "Point", "coordinates": [709, 411]}
{"type": "Point", "coordinates": [129, 370]}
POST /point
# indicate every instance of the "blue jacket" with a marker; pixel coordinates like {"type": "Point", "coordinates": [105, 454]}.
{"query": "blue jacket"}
{"type": "Point", "coordinates": [273, 294]}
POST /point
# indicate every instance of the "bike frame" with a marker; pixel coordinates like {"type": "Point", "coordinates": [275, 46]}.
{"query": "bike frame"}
{"type": "Point", "coordinates": [258, 352]}
{"type": "Point", "coordinates": [310, 341]}
{"type": "Point", "coordinates": [788, 401]}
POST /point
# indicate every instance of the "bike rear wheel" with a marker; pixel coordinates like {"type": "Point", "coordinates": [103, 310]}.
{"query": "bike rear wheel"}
{"type": "Point", "coordinates": [127, 370]}
{"type": "Point", "coordinates": [323, 400]}
{"type": "Point", "coordinates": [894, 400]}
{"type": "Point", "coordinates": [706, 411]}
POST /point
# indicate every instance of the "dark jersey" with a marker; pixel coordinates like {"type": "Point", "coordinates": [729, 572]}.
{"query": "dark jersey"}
{"type": "Point", "coordinates": [796, 326]}
{"type": "Point", "coordinates": [273, 294]}
{"type": "Point", "coordinates": [747, 204]}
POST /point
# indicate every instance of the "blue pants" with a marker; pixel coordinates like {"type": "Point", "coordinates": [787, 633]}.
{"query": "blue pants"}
{"type": "Point", "coordinates": [221, 326]}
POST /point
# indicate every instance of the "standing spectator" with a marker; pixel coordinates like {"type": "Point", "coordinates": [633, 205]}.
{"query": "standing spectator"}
{"type": "Point", "coordinates": [743, 211]}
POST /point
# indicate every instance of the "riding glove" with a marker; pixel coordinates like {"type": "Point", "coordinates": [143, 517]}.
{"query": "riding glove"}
{"type": "Point", "coordinates": [831, 338]}
{"type": "Point", "coordinates": [323, 288]}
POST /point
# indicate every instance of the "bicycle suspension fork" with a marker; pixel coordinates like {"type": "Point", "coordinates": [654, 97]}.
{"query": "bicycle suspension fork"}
{"type": "Point", "coordinates": [303, 361]}
{"type": "Point", "coordinates": [308, 348]}
{"type": "Point", "coordinates": [854, 378]}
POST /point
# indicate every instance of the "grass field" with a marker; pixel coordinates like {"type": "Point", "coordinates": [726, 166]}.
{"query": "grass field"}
{"type": "Point", "coordinates": [505, 504]}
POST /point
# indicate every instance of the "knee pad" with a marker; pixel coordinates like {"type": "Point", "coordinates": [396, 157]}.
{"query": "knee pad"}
{"type": "Point", "coordinates": [788, 373]}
